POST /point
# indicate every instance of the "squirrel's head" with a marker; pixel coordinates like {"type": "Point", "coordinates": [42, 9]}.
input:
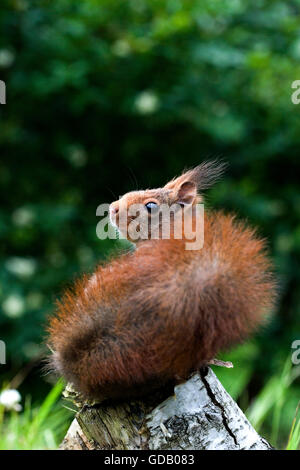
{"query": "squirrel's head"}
{"type": "Point", "coordinates": [140, 209]}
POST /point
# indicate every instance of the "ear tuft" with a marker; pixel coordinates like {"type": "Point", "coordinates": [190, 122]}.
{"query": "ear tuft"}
{"type": "Point", "coordinates": [206, 174]}
{"type": "Point", "coordinates": [203, 176]}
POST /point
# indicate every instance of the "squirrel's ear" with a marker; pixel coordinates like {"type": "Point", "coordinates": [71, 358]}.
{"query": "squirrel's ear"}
{"type": "Point", "coordinates": [186, 193]}
{"type": "Point", "coordinates": [202, 176]}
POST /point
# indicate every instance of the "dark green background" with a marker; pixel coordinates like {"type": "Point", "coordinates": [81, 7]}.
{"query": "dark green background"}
{"type": "Point", "coordinates": [106, 96]}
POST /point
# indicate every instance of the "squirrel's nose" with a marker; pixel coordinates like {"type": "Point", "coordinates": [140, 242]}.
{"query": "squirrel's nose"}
{"type": "Point", "coordinates": [114, 209]}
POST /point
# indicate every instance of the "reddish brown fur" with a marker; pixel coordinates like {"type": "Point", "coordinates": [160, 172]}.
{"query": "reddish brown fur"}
{"type": "Point", "coordinates": [162, 311]}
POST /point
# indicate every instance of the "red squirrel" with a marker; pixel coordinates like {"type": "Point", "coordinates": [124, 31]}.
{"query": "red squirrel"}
{"type": "Point", "coordinates": [161, 312]}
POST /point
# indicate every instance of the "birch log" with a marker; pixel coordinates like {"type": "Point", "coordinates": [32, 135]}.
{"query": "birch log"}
{"type": "Point", "coordinates": [199, 414]}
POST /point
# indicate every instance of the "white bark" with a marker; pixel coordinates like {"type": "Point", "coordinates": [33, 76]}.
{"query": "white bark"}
{"type": "Point", "coordinates": [199, 415]}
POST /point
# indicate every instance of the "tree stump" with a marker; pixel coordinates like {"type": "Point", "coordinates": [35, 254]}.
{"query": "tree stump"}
{"type": "Point", "coordinates": [198, 414]}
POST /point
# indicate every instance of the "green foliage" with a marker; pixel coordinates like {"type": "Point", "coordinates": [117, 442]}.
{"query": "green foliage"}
{"type": "Point", "coordinates": [37, 427]}
{"type": "Point", "coordinates": [103, 96]}
{"type": "Point", "coordinates": [294, 437]}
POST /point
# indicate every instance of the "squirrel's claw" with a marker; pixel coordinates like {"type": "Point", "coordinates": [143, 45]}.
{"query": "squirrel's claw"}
{"type": "Point", "coordinates": [217, 362]}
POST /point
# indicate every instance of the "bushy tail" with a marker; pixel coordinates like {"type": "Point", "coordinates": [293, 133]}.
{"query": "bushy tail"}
{"type": "Point", "coordinates": [162, 311]}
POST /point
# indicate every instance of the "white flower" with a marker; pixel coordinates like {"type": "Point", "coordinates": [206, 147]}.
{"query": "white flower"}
{"type": "Point", "coordinates": [77, 156]}
{"type": "Point", "coordinates": [121, 48]}
{"type": "Point", "coordinates": [23, 216]}
{"type": "Point", "coordinates": [22, 267]}
{"type": "Point", "coordinates": [13, 306]}
{"type": "Point", "coordinates": [6, 58]}
{"type": "Point", "coordinates": [10, 399]}
{"type": "Point", "coordinates": [146, 102]}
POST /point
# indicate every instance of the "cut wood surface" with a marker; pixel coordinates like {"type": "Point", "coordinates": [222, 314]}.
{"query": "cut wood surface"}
{"type": "Point", "coordinates": [199, 414]}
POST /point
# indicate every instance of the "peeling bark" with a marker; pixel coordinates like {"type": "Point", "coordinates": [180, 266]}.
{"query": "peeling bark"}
{"type": "Point", "coordinates": [199, 415]}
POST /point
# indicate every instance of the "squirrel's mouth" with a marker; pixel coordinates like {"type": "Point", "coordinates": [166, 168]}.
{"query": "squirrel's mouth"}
{"type": "Point", "coordinates": [113, 221]}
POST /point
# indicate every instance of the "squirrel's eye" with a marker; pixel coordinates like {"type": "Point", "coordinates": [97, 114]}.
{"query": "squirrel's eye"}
{"type": "Point", "coordinates": [151, 206]}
